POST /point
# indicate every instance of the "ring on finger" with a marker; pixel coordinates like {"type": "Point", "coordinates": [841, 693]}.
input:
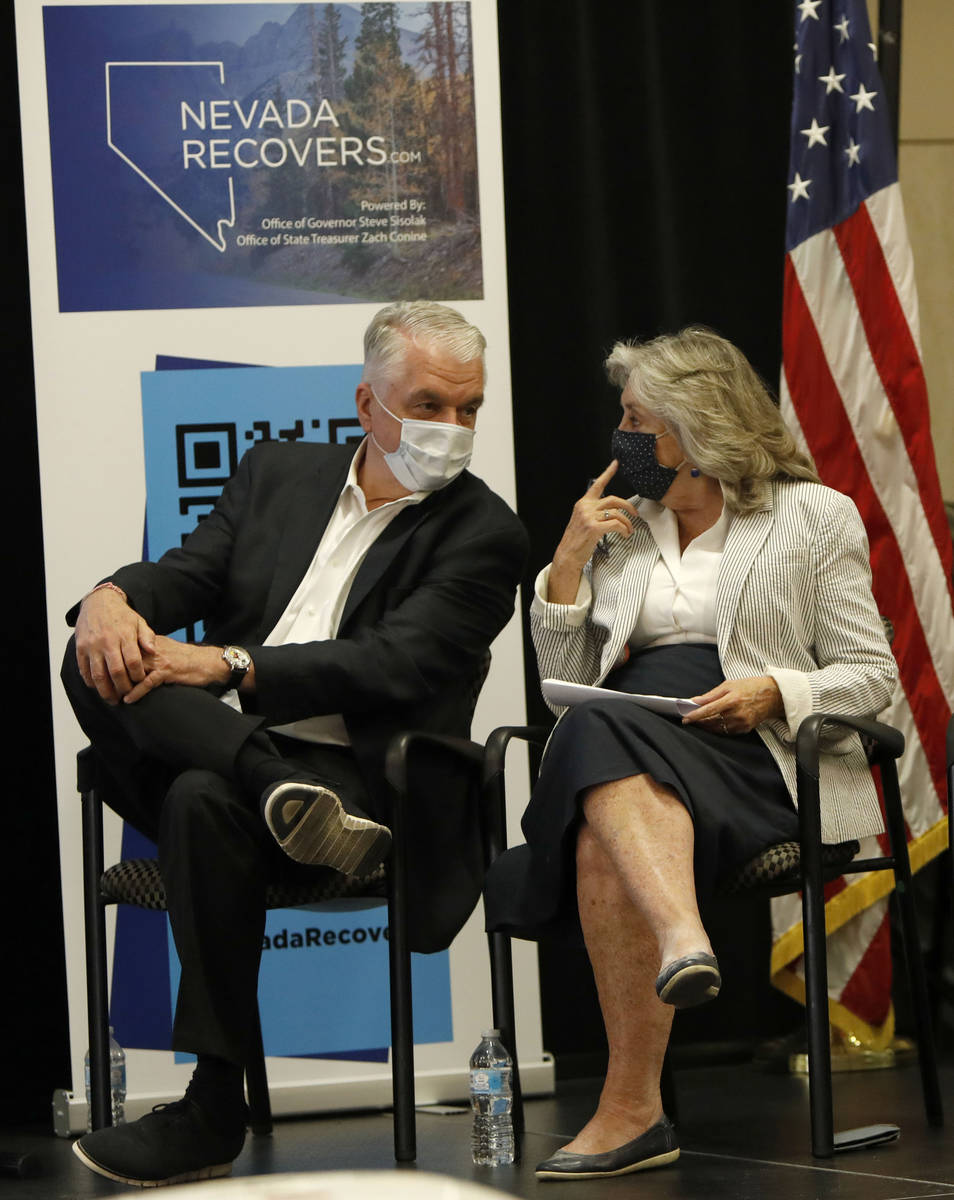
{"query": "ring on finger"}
{"type": "Point", "coordinates": [605, 514]}
{"type": "Point", "coordinates": [724, 726]}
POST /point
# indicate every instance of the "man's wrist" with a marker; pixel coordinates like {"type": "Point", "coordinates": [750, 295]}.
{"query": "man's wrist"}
{"type": "Point", "coordinates": [107, 585]}
{"type": "Point", "coordinates": [238, 661]}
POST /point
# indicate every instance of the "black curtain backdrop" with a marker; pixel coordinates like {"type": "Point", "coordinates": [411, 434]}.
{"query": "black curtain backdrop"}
{"type": "Point", "coordinates": [645, 161]}
{"type": "Point", "coordinates": [645, 149]}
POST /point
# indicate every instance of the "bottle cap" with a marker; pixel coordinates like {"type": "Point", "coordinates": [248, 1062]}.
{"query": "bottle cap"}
{"type": "Point", "coordinates": [491, 1033]}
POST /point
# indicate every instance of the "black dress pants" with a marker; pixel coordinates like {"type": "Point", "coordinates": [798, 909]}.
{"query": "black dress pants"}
{"type": "Point", "coordinates": [170, 763]}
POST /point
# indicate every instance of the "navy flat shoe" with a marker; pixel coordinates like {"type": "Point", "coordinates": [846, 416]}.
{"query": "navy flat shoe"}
{"type": "Point", "coordinates": [654, 1148]}
{"type": "Point", "coordinates": [686, 982]}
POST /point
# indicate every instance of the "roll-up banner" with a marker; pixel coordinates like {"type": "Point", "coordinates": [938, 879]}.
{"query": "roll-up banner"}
{"type": "Point", "coordinates": [219, 196]}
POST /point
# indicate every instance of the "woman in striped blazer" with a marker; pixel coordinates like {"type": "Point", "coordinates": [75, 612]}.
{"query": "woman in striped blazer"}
{"type": "Point", "coordinates": [734, 578]}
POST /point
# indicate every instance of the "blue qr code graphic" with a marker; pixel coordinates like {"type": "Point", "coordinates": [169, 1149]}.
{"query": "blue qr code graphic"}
{"type": "Point", "coordinates": [197, 424]}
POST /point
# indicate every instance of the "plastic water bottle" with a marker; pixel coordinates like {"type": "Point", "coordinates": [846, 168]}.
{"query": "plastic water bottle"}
{"type": "Point", "coordinates": [491, 1098]}
{"type": "Point", "coordinates": [117, 1083]}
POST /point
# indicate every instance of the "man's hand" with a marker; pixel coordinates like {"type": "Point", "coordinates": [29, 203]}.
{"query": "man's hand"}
{"type": "Point", "coordinates": [111, 639]}
{"type": "Point", "coordinates": [170, 661]}
{"type": "Point", "coordinates": [737, 705]}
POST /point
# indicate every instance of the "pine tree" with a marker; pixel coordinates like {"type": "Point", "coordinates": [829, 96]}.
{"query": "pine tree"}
{"type": "Point", "coordinates": [331, 52]}
{"type": "Point", "coordinates": [283, 188]}
{"type": "Point", "coordinates": [382, 90]}
{"type": "Point", "coordinates": [444, 45]}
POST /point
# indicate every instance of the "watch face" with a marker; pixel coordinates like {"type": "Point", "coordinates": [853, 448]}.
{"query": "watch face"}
{"type": "Point", "coordinates": [236, 657]}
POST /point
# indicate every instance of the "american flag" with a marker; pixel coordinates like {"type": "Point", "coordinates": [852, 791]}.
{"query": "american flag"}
{"type": "Point", "coordinates": [853, 390]}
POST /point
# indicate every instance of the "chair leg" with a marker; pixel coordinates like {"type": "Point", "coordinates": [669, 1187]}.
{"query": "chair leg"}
{"type": "Point", "coordinates": [402, 1030]}
{"type": "Point", "coordinates": [259, 1103]}
{"type": "Point", "coordinates": [399, 960]}
{"type": "Point", "coordinates": [917, 981]}
{"type": "Point", "coordinates": [97, 987]}
{"type": "Point", "coordinates": [501, 981]}
{"type": "Point", "coordinates": [890, 744]}
{"type": "Point", "coordinates": [936, 958]}
{"type": "Point", "coordinates": [816, 995]}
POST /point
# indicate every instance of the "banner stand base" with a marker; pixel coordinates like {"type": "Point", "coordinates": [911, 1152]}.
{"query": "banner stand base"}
{"type": "Point", "coordinates": [319, 1096]}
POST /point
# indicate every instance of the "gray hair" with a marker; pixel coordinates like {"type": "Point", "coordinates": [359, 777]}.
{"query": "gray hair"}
{"type": "Point", "coordinates": [707, 393]}
{"type": "Point", "coordinates": [422, 323]}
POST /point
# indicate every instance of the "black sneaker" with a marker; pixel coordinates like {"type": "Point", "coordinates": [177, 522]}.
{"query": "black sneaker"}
{"type": "Point", "coordinates": [175, 1143]}
{"type": "Point", "coordinates": [311, 825]}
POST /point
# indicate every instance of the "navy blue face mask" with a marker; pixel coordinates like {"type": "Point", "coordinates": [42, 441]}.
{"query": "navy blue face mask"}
{"type": "Point", "coordinates": [638, 465]}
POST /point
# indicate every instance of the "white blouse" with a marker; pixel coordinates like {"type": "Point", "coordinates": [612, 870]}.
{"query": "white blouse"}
{"type": "Point", "coordinates": [680, 603]}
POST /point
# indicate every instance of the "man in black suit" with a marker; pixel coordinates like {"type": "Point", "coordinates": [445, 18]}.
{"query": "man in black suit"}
{"type": "Point", "coordinates": [346, 596]}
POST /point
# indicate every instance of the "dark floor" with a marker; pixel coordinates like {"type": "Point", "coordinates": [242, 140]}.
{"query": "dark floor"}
{"type": "Point", "coordinates": [744, 1135]}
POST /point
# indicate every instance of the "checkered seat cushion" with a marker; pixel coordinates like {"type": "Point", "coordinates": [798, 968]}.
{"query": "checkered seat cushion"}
{"type": "Point", "coordinates": [137, 882]}
{"type": "Point", "coordinates": [781, 863]}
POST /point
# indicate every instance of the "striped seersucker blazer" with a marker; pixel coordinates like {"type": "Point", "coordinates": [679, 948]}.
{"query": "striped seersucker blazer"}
{"type": "Point", "coordinates": [794, 601]}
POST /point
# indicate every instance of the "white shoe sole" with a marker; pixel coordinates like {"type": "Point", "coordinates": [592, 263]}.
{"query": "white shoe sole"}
{"type": "Point", "coordinates": [214, 1172]}
{"type": "Point", "coordinates": [311, 826]}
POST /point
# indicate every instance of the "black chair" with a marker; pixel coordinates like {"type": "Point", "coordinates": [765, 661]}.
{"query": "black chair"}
{"type": "Point", "coordinates": [137, 882]}
{"type": "Point", "coordinates": [940, 978]}
{"type": "Point", "coordinates": [806, 866]}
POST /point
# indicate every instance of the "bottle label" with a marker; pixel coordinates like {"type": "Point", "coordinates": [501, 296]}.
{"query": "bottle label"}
{"type": "Point", "coordinates": [483, 1082]}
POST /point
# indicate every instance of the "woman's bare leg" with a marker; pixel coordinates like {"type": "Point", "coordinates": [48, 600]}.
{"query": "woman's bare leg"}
{"type": "Point", "coordinates": [625, 960]}
{"type": "Point", "coordinates": [648, 836]}
{"type": "Point", "coordinates": [638, 911]}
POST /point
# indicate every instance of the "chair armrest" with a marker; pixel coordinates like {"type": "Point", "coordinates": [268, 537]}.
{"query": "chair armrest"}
{"type": "Point", "coordinates": [493, 795]}
{"type": "Point", "coordinates": [399, 749]}
{"type": "Point", "coordinates": [85, 770]}
{"type": "Point", "coordinates": [499, 741]}
{"type": "Point", "coordinates": [396, 768]}
{"type": "Point", "coordinates": [889, 742]}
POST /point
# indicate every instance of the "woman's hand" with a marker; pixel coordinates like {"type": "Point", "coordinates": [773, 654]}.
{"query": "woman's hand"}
{"type": "Point", "coordinates": [737, 705]}
{"type": "Point", "coordinates": [593, 515]}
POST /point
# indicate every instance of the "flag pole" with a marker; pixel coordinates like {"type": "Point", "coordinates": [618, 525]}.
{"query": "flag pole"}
{"type": "Point", "coordinates": [889, 60]}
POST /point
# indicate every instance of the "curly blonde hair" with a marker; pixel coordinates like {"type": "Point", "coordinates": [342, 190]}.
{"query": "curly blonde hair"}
{"type": "Point", "coordinates": [707, 393]}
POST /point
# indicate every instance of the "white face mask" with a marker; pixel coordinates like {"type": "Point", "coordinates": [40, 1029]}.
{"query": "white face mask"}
{"type": "Point", "coordinates": [431, 453]}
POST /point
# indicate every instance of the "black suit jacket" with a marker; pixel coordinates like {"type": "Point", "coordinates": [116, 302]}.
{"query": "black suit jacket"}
{"type": "Point", "coordinates": [432, 593]}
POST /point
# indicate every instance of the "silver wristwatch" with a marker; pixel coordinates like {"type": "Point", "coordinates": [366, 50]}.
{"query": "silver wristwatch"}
{"type": "Point", "coordinates": [238, 661]}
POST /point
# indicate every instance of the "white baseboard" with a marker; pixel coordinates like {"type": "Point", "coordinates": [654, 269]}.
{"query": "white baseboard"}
{"type": "Point", "coordinates": [301, 1097]}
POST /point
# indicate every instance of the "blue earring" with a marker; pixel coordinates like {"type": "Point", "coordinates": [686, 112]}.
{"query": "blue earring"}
{"type": "Point", "coordinates": [695, 472]}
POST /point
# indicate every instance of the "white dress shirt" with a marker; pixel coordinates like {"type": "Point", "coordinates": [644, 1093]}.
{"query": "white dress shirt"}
{"type": "Point", "coordinates": [680, 604]}
{"type": "Point", "coordinates": [314, 611]}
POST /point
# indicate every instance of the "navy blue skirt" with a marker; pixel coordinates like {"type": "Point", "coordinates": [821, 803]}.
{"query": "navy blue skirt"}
{"type": "Point", "coordinates": [730, 785]}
